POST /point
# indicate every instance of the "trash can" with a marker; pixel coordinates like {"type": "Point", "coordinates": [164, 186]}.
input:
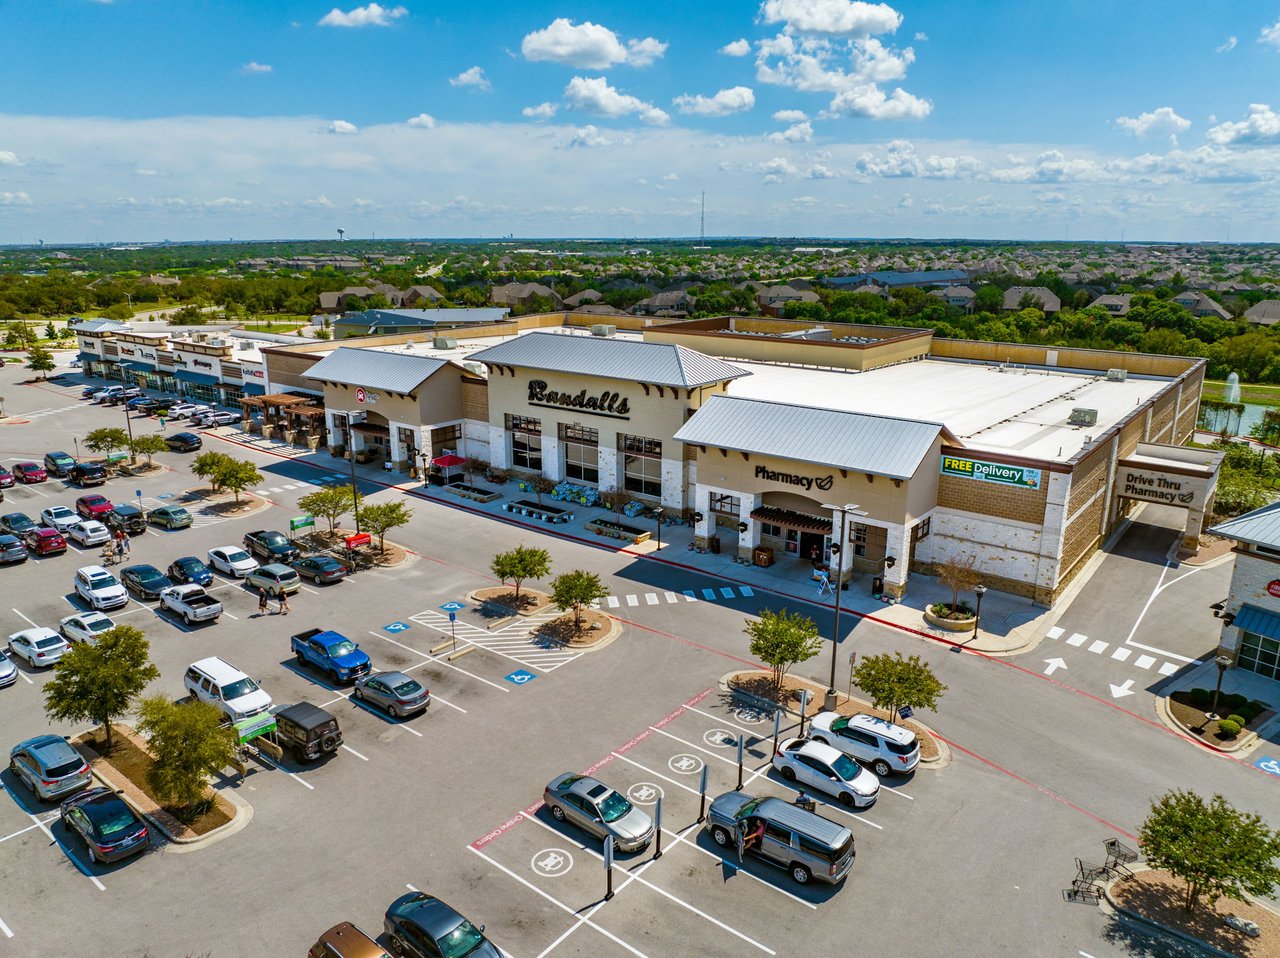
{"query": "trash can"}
{"type": "Point", "coordinates": [877, 585]}
{"type": "Point", "coordinates": [714, 544]}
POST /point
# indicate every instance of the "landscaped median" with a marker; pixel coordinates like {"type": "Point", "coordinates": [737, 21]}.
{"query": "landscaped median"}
{"type": "Point", "coordinates": [1232, 728]}
{"type": "Point", "coordinates": [590, 631]}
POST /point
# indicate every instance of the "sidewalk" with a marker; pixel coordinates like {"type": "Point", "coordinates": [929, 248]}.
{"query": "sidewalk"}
{"type": "Point", "coordinates": [1009, 623]}
{"type": "Point", "coordinates": [1241, 681]}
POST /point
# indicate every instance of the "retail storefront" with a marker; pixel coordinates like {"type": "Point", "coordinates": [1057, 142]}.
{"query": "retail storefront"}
{"type": "Point", "coordinates": [1251, 612]}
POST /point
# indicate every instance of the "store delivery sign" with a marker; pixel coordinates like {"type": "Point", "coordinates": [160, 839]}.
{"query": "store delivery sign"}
{"type": "Point", "coordinates": [991, 472]}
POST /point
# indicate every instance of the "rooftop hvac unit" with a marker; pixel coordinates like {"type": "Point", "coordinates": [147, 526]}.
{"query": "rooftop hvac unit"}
{"type": "Point", "coordinates": [1083, 417]}
{"type": "Point", "coordinates": [1117, 375]}
{"type": "Point", "coordinates": [217, 342]}
{"type": "Point", "coordinates": [476, 368]}
{"type": "Point", "coordinates": [444, 342]}
{"type": "Point", "coordinates": [601, 329]}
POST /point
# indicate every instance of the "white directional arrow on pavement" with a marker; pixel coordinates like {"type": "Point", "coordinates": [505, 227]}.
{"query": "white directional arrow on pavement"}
{"type": "Point", "coordinates": [1054, 665]}
{"type": "Point", "coordinates": [1120, 691]}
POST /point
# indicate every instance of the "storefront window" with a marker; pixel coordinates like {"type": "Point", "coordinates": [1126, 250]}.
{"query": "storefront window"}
{"type": "Point", "coordinates": [581, 446]}
{"type": "Point", "coordinates": [447, 437]}
{"type": "Point", "coordinates": [641, 465]}
{"type": "Point", "coordinates": [860, 540]}
{"type": "Point", "coordinates": [233, 395]}
{"type": "Point", "coordinates": [725, 504]}
{"type": "Point", "coordinates": [1260, 654]}
{"type": "Point", "coordinates": [199, 392]}
{"type": "Point", "coordinates": [769, 529]}
{"type": "Point", "coordinates": [526, 442]}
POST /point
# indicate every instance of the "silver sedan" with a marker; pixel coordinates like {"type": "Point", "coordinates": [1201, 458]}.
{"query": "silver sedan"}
{"type": "Point", "coordinates": [596, 808]}
{"type": "Point", "coordinates": [396, 692]}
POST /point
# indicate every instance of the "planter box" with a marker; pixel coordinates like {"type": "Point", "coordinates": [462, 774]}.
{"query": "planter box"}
{"type": "Point", "coordinates": [474, 493]}
{"type": "Point", "coordinates": [616, 530]}
{"type": "Point", "coordinates": [950, 625]}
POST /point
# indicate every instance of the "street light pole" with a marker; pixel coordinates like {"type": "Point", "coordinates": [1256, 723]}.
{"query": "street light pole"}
{"type": "Point", "coordinates": [128, 423]}
{"type": "Point", "coordinates": [1223, 662]}
{"type": "Point", "coordinates": [657, 515]}
{"type": "Point", "coordinates": [979, 590]}
{"type": "Point", "coordinates": [351, 458]}
{"type": "Point", "coordinates": [829, 700]}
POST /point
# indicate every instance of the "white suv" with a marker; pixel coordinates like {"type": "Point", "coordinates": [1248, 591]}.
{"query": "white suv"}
{"type": "Point", "coordinates": [884, 746]}
{"type": "Point", "coordinates": [100, 588]}
{"type": "Point", "coordinates": [220, 683]}
{"type": "Point", "coordinates": [186, 409]}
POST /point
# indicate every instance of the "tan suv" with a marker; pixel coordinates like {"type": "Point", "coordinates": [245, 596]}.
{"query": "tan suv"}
{"type": "Point", "coordinates": [346, 941]}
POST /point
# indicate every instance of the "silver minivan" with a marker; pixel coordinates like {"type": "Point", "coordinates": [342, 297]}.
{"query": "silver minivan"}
{"type": "Point", "coordinates": [807, 845]}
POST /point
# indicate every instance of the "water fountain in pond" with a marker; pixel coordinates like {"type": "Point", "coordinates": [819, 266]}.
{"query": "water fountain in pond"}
{"type": "Point", "coordinates": [1232, 393]}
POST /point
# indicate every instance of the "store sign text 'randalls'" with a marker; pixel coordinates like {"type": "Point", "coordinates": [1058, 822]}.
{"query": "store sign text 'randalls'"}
{"type": "Point", "coordinates": [791, 479]}
{"type": "Point", "coordinates": [602, 404]}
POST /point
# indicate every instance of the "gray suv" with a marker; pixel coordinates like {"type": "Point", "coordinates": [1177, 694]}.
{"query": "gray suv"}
{"type": "Point", "coordinates": [807, 845]}
{"type": "Point", "coordinates": [49, 766]}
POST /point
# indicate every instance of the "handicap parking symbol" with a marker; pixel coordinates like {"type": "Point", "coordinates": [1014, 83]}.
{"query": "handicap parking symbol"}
{"type": "Point", "coordinates": [520, 677]}
{"type": "Point", "coordinates": [453, 606]}
{"type": "Point", "coordinates": [1269, 765]}
{"type": "Point", "coordinates": [395, 627]}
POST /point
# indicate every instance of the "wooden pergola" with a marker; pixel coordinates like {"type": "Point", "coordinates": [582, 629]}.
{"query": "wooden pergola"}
{"type": "Point", "coordinates": [288, 413]}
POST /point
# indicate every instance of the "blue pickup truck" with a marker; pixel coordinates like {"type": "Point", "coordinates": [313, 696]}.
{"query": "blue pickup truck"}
{"type": "Point", "coordinates": [330, 652]}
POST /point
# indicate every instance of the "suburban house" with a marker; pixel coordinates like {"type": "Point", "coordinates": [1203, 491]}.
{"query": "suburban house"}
{"type": "Point", "coordinates": [1049, 302]}
{"type": "Point", "coordinates": [332, 302]}
{"type": "Point", "coordinates": [519, 294]}
{"type": "Point", "coordinates": [1265, 313]}
{"type": "Point", "coordinates": [961, 297]}
{"type": "Point", "coordinates": [672, 303]}
{"type": "Point", "coordinates": [1200, 304]}
{"type": "Point", "coordinates": [582, 299]}
{"type": "Point", "coordinates": [772, 300]}
{"type": "Point", "coordinates": [1117, 304]}
{"type": "Point", "coordinates": [892, 278]}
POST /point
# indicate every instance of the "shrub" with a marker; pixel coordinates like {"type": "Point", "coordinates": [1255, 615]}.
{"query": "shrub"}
{"type": "Point", "coordinates": [1251, 711]}
{"type": "Point", "coordinates": [1200, 698]}
{"type": "Point", "coordinates": [1235, 700]}
{"type": "Point", "coordinates": [1228, 729]}
{"type": "Point", "coordinates": [1238, 719]}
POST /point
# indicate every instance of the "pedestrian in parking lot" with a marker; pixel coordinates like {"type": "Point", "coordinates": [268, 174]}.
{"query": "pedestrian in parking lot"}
{"type": "Point", "coordinates": [124, 544]}
{"type": "Point", "coordinates": [284, 603]}
{"type": "Point", "coordinates": [262, 602]}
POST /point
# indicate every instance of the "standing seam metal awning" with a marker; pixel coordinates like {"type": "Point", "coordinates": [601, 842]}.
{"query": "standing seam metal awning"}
{"type": "Point", "coordinates": [1258, 621]}
{"type": "Point", "coordinates": [201, 378]}
{"type": "Point", "coordinates": [138, 367]}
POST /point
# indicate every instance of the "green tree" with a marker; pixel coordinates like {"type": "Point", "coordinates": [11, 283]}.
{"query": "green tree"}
{"type": "Point", "coordinates": [522, 562]}
{"type": "Point", "coordinates": [50, 330]}
{"type": "Point", "coordinates": [106, 439]}
{"type": "Point", "coordinates": [379, 518]}
{"type": "Point", "coordinates": [189, 742]}
{"type": "Point", "coordinates": [238, 475]}
{"type": "Point", "coordinates": [97, 682]}
{"type": "Point", "coordinates": [331, 504]}
{"type": "Point", "coordinates": [208, 466]}
{"type": "Point", "coordinates": [781, 639]}
{"type": "Point", "coordinates": [894, 682]}
{"type": "Point", "coordinates": [148, 445]}
{"type": "Point", "coordinates": [1212, 846]}
{"type": "Point", "coordinates": [18, 335]}
{"type": "Point", "coordinates": [988, 299]}
{"type": "Point", "coordinates": [40, 360]}
{"type": "Point", "coordinates": [573, 590]}
{"type": "Point", "coordinates": [118, 311]}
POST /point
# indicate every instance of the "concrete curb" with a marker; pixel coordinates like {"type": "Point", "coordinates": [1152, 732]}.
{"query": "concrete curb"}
{"type": "Point", "coordinates": [606, 640]}
{"type": "Point", "coordinates": [515, 616]}
{"type": "Point", "coordinates": [769, 705]}
{"type": "Point", "coordinates": [1147, 924]}
{"type": "Point", "coordinates": [1165, 714]}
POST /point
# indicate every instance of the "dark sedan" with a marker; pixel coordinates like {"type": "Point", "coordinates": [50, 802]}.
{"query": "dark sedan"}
{"type": "Point", "coordinates": [27, 472]}
{"type": "Point", "coordinates": [190, 569]}
{"type": "Point", "coordinates": [184, 442]}
{"type": "Point", "coordinates": [320, 569]}
{"type": "Point", "coordinates": [44, 542]}
{"type": "Point", "coordinates": [16, 523]}
{"type": "Point", "coordinates": [422, 926]}
{"type": "Point", "coordinates": [145, 581]}
{"type": "Point", "coordinates": [110, 828]}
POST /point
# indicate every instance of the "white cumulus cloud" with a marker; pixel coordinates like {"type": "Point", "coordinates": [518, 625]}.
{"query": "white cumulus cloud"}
{"type": "Point", "coordinates": [1271, 35]}
{"type": "Point", "coordinates": [372, 15]}
{"type": "Point", "coordinates": [587, 45]}
{"type": "Point", "coordinates": [732, 100]}
{"type": "Point", "coordinates": [343, 127]}
{"type": "Point", "coordinates": [737, 48]}
{"type": "Point", "coordinates": [9, 158]}
{"type": "Point", "coordinates": [320, 202]}
{"type": "Point", "coordinates": [1227, 45]}
{"type": "Point", "coordinates": [473, 76]}
{"type": "Point", "coordinates": [901, 161]}
{"type": "Point", "coordinates": [801, 132]}
{"type": "Point", "coordinates": [1163, 121]}
{"type": "Point", "coordinates": [595, 95]}
{"type": "Point", "coordinates": [835, 17]}
{"type": "Point", "coordinates": [423, 121]}
{"type": "Point", "coordinates": [543, 111]}
{"type": "Point", "coordinates": [790, 116]}
{"type": "Point", "coordinates": [15, 199]}
{"type": "Point", "coordinates": [1261, 125]}
{"type": "Point", "coordinates": [253, 68]}
{"type": "Point", "coordinates": [590, 137]}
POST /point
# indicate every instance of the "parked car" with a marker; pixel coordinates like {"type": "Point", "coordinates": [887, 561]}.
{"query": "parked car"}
{"type": "Point", "coordinates": [320, 569]}
{"type": "Point", "coordinates": [184, 441]}
{"type": "Point", "coordinates": [107, 393]}
{"type": "Point", "coordinates": [215, 419]}
{"type": "Point", "coordinates": [85, 627]}
{"type": "Point", "coordinates": [148, 406]}
{"type": "Point", "coordinates": [218, 682]}
{"type": "Point", "coordinates": [876, 742]}
{"type": "Point", "coordinates": [44, 542]}
{"type": "Point", "coordinates": [126, 518]}
{"type": "Point", "coordinates": [49, 766]}
{"type": "Point", "coordinates": [276, 578]}
{"type": "Point", "coordinates": [598, 810]}
{"type": "Point", "coordinates": [821, 767]}
{"type": "Point", "coordinates": [58, 517]}
{"type": "Point", "coordinates": [58, 464]}
{"type": "Point", "coordinates": [191, 603]}
{"type": "Point", "coordinates": [93, 506]}
{"type": "Point", "coordinates": [807, 845]}
{"type": "Point", "coordinates": [8, 671]}
{"type": "Point", "coordinates": [99, 588]}
{"type": "Point", "coordinates": [190, 569]}
{"type": "Point", "coordinates": [170, 517]}
{"type": "Point", "coordinates": [12, 550]}
{"type": "Point", "coordinates": [345, 940]}
{"type": "Point", "coordinates": [307, 730]}
{"type": "Point", "coordinates": [420, 926]}
{"type": "Point", "coordinates": [271, 545]}
{"type": "Point", "coordinates": [90, 391]}
{"type": "Point", "coordinates": [29, 472]}
{"type": "Point", "coordinates": [16, 523]}
{"type": "Point", "coordinates": [232, 561]}
{"type": "Point", "coordinates": [6, 478]}
{"type": "Point", "coordinates": [88, 474]}
{"type": "Point", "coordinates": [41, 647]}
{"type": "Point", "coordinates": [89, 532]}
{"type": "Point", "coordinates": [184, 410]}
{"type": "Point", "coordinates": [198, 417]}
{"type": "Point", "coordinates": [111, 830]}
{"type": "Point", "coordinates": [330, 652]}
{"type": "Point", "coordinates": [144, 580]}
{"type": "Point", "coordinates": [133, 402]}
{"type": "Point", "coordinates": [397, 693]}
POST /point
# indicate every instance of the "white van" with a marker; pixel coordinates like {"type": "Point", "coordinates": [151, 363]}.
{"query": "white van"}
{"type": "Point", "coordinates": [220, 683]}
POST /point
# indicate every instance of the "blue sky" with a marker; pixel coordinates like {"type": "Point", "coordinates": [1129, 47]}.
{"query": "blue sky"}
{"type": "Point", "coordinates": [150, 119]}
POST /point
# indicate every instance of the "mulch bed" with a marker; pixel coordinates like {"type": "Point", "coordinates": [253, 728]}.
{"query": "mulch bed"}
{"type": "Point", "coordinates": [1159, 896]}
{"type": "Point", "coordinates": [130, 761]}
{"type": "Point", "coordinates": [531, 600]}
{"type": "Point", "coordinates": [561, 630]}
{"type": "Point", "coordinates": [761, 684]}
{"type": "Point", "coordinates": [1198, 722]}
{"type": "Point", "coordinates": [390, 554]}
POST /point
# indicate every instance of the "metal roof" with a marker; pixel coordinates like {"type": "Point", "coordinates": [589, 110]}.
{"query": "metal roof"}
{"type": "Point", "coordinates": [1260, 527]}
{"type": "Point", "coordinates": [100, 326]}
{"type": "Point", "coordinates": [659, 363]}
{"type": "Point", "coordinates": [879, 445]}
{"type": "Point", "coordinates": [1258, 621]}
{"type": "Point", "coordinates": [375, 368]}
{"type": "Point", "coordinates": [425, 318]}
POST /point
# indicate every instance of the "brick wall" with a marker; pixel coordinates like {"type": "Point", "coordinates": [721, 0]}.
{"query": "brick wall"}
{"type": "Point", "coordinates": [1249, 579]}
{"type": "Point", "coordinates": [475, 399]}
{"type": "Point", "coordinates": [992, 499]}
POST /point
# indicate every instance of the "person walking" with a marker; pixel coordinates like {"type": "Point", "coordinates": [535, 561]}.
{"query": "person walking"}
{"type": "Point", "coordinates": [262, 602]}
{"type": "Point", "coordinates": [284, 603]}
{"type": "Point", "coordinates": [124, 545]}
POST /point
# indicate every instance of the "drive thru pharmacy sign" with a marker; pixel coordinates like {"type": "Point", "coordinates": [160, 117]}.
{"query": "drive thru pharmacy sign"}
{"type": "Point", "coordinates": [996, 472]}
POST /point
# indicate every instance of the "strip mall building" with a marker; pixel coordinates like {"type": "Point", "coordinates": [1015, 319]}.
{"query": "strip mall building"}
{"type": "Point", "coordinates": [1023, 457]}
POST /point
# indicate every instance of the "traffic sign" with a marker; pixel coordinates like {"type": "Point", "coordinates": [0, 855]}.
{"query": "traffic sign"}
{"type": "Point", "coordinates": [360, 394]}
{"type": "Point", "coordinates": [906, 712]}
{"type": "Point", "coordinates": [394, 627]}
{"type": "Point", "coordinates": [453, 606]}
{"type": "Point", "coordinates": [453, 617]}
{"type": "Point", "coordinates": [520, 677]}
{"type": "Point", "coordinates": [138, 493]}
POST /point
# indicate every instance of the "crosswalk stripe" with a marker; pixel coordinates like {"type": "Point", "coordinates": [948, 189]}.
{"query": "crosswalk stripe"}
{"type": "Point", "coordinates": [709, 594]}
{"type": "Point", "coordinates": [633, 600]}
{"type": "Point", "coordinates": [688, 594]}
{"type": "Point", "coordinates": [1098, 647]}
{"type": "Point", "coordinates": [1055, 632]}
{"type": "Point", "coordinates": [671, 597]}
{"type": "Point", "coordinates": [1122, 655]}
{"type": "Point", "coordinates": [651, 598]}
{"type": "Point", "coordinates": [745, 590]}
{"type": "Point", "coordinates": [1168, 668]}
{"type": "Point", "coordinates": [1077, 639]}
{"type": "Point", "coordinates": [1144, 661]}
{"type": "Point", "coordinates": [726, 592]}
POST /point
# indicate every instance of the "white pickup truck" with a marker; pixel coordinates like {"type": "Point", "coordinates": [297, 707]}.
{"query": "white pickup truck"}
{"type": "Point", "coordinates": [191, 602]}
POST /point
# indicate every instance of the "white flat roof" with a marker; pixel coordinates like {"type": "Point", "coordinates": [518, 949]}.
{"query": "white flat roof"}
{"type": "Point", "coordinates": [1021, 411]}
{"type": "Point", "coordinates": [459, 354]}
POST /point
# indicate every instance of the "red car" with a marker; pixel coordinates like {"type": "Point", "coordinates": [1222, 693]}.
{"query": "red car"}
{"type": "Point", "coordinates": [6, 478]}
{"type": "Point", "coordinates": [93, 506]}
{"type": "Point", "coordinates": [30, 472]}
{"type": "Point", "coordinates": [45, 542]}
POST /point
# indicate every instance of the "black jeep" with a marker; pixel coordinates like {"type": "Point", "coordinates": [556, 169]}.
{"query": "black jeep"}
{"type": "Point", "coordinates": [308, 730]}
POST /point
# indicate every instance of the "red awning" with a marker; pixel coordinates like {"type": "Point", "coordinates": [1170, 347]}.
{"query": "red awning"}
{"type": "Point", "coordinates": [449, 461]}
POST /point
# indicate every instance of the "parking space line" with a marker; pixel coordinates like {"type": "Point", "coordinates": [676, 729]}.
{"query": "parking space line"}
{"type": "Point", "coordinates": [687, 788]}
{"type": "Point", "coordinates": [684, 741]}
{"type": "Point", "coordinates": [229, 615]}
{"type": "Point", "coordinates": [63, 848]}
{"type": "Point", "coordinates": [559, 904]}
{"type": "Point", "coordinates": [448, 665]}
{"type": "Point", "coordinates": [312, 591]}
{"type": "Point", "coordinates": [370, 709]}
{"type": "Point", "coordinates": [354, 752]}
{"type": "Point", "coordinates": [742, 728]}
{"type": "Point", "coordinates": [286, 771]}
{"type": "Point", "coordinates": [25, 619]}
{"type": "Point", "coordinates": [20, 831]}
{"type": "Point", "coordinates": [5, 929]}
{"type": "Point", "coordinates": [738, 869]}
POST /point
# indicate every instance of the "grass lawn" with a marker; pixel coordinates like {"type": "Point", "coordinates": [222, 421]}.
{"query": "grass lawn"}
{"type": "Point", "coordinates": [1256, 394]}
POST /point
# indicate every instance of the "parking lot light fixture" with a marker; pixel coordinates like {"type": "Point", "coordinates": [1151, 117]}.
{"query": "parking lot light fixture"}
{"type": "Point", "coordinates": [848, 509]}
{"type": "Point", "coordinates": [657, 517]}
{"type": "Point", "coordinates": [979, 590]}
{"type": "Point", "coordinates": [1223, 662]}
{"type": "Point", "coordinates": [128, 424]}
